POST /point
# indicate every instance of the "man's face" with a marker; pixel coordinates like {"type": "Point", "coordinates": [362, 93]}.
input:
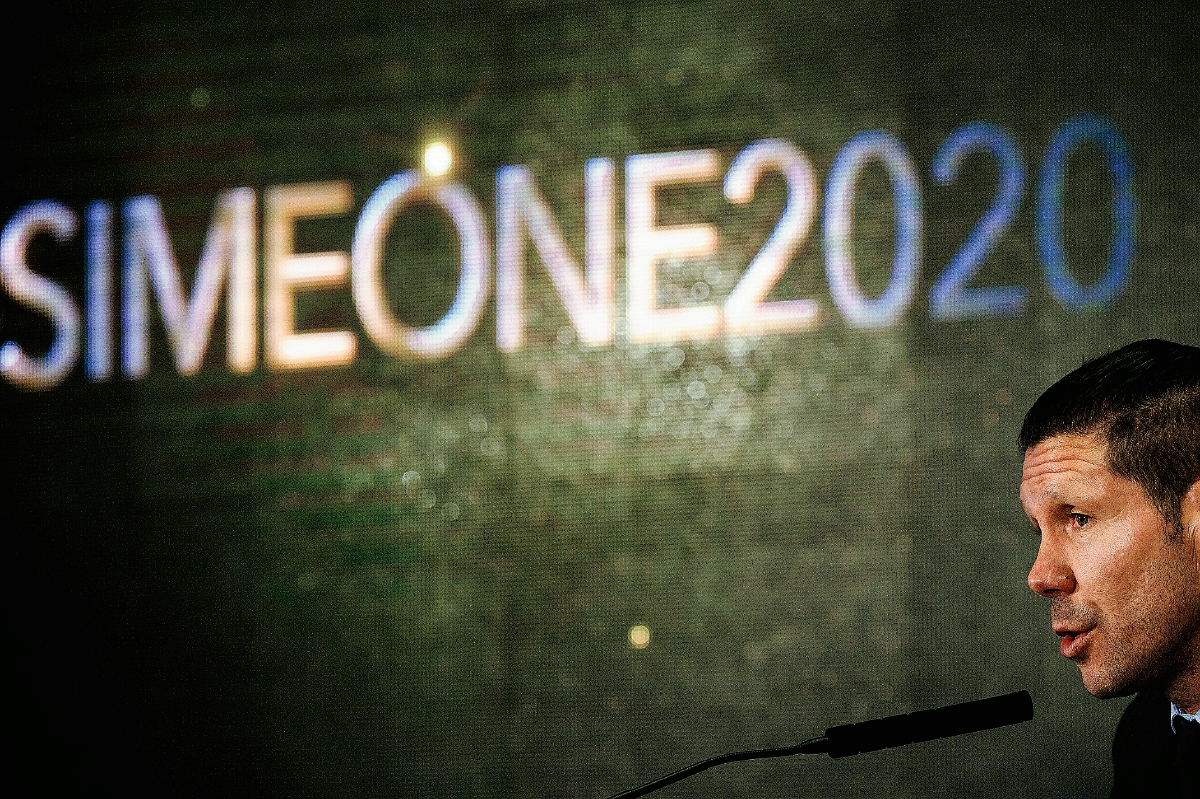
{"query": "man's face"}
{"type": "Point", "coordinates": [1124, 593]}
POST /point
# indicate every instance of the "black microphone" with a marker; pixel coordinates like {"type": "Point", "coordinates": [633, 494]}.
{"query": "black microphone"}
{"type": "Point", "coordinates": [926, 725]}
{"type": "Point", "coordinates": [869, 736]}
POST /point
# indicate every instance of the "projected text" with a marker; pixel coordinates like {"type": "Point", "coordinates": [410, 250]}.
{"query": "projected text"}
{"type": "Point", "coordinates": [151, 280]}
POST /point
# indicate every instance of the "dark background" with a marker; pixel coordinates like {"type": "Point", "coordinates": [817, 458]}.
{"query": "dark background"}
{"type": "Point", "coordinates": [236, 583]}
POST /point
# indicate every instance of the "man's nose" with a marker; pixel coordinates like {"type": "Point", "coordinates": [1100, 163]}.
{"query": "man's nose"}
{"type": "Point", "coordinates": [1051, 575]}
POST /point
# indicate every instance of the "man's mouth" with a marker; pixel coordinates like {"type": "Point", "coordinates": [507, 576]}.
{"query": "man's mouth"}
{"type": "Point", "coordinates": [1074, 641]}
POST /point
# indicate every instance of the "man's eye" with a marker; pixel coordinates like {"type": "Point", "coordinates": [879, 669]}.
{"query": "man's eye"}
{"type": "Point", "coordinates": [1081, 519]}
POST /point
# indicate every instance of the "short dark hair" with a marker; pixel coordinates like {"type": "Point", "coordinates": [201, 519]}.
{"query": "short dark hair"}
{"type": "Point", "coordinates": [1143, 400]}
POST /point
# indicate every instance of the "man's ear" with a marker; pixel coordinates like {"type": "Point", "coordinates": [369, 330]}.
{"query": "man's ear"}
{"type": "Point", "coordinates": [1190, 513]}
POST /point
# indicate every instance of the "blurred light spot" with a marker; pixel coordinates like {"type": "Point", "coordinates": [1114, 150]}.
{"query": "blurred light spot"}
{"type": "Point", "coordinates": [566, 335]}
{"type": "Point", "coordinates": [478, 424]}
{"type": "Point", "coordinates": [639, 636]}
{"type": "Point", "coordinates": [438, 159]}
{"type": "Point", "coordinates": [713, 276]}
{"type": "Point", "coordinates": [428, 499]}
{"type": "Point", "coordinates": [1004, 397]}
{"type": "Point", "coordinates": [200, 97]}
{"type": "Point", "coordinates": [700, 291]}
{"type": "Point", "coordinates": [675, 76]}
{"type": "Point", "coordinates": [673, 359]}
{"type": "Point", "coordinates": [410, 479]}
{"type": "Point", "coordinates": [713, 373]}
{"type": "Point", "coordinates": [697, 390]}
{"type": "Point", "coordinates": [655, 407]}
{"type": "Point", "coordinates": [451, 511]}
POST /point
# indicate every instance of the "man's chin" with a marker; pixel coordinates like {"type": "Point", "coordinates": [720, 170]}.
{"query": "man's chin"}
{"type": "Point", "coordinates": [1105, 686]}
{"type": "Point", "coordinates": [1108, 692]}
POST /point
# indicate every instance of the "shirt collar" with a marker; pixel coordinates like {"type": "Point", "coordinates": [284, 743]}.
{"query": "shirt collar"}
{"type": "Point", "coordinates": [1186, 716]}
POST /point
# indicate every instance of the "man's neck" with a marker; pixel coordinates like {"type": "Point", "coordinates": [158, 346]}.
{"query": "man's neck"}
{"type": "Point", "coordinates": [1190, 710]}
{"type": "Point", "coordinates": [1184, 691]}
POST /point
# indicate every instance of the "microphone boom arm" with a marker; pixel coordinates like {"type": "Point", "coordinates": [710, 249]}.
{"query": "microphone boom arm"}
{"type": "Point", "coordinates": [810, 747]}
{"type": "Point", "coordinates": [869, 736]}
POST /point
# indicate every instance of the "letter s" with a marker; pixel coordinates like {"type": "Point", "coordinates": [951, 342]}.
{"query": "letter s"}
{"type": "Point", "coordinates": [39, 294]}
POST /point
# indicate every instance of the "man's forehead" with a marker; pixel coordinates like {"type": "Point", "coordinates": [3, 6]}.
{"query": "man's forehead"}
{"type": "Point", "coordinates": [1071, 456]}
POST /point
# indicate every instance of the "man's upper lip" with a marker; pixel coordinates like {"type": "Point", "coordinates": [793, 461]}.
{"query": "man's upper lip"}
{"type": "Point", "coordinates": [1068, 629]}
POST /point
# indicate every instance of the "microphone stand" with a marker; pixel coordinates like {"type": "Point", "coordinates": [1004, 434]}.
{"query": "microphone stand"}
{"type": "Point", "coordinates": [870, 736]}
{"type": "Point", "coordinates": [810, 747]}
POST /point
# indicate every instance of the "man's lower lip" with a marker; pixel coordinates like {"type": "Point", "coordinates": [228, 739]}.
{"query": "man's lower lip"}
{"type": "Point", "coordinates": [1072, 644]}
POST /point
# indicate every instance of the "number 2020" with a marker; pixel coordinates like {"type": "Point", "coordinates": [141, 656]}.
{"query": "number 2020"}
{"type": "Point", "coordinates": [952, 296]}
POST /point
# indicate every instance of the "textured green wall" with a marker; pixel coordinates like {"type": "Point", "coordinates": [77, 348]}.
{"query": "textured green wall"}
{"type": "Point", "coordinates": [418, 579]}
